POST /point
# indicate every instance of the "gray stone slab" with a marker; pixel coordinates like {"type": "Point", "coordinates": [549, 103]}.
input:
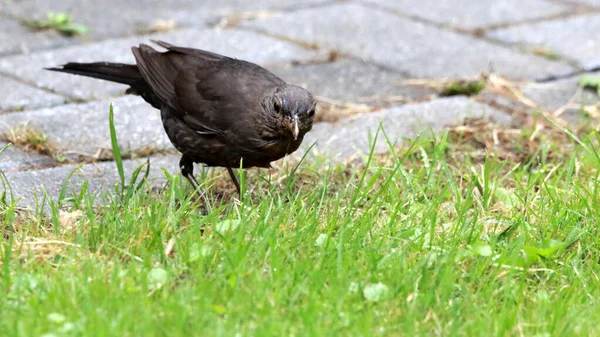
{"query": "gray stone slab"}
{"type": "Point", "coordinates": [80, 130]}
{"type": "Point", "coordinates": [343, 140]}
{"type": "Point", "coordinates": [352, 81]}
{"type": "Point", "coordinates": [28, 186]}
{"type": "Point", "coordinates": [117, 18]}
{"type": "Point", "coordinates": [469, 14]}
{"type": "Point", "coordinates": [502, 102]}
{"type": "Point", "coordinates": [595, 3]}
{"type": "Point", "coordinates": [239, 44]}
{"type": "Point", "coordinates": [555, 95]}
{"type": "Point", "coordinates": [411, 47]}
{"type": "Point", "coordinates": [15, 159]}
{"type": "Point", "coordinates": [16, 38]}
{"type": "Point", "coordinates": [17, 96]}
{"type": "Point", "coordinates": [105, 19]}
{"type": "Point", "coordinates": [573, 38]}
{"type": "Point", "coordinates": [190, 12]}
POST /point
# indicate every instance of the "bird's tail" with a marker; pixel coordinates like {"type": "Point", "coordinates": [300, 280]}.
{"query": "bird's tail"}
{"type": "Point", "coordinates": [114, 72]}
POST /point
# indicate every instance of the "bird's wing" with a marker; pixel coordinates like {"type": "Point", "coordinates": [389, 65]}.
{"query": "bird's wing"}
{"type": "Point", "coordinates": [157, 71]}
{"type": "Point", "coordinates": [212, 93]}
{"type": "Point", "coordinates": [203, 83]}
{"type": "Point", "coordinates": [163, 70]}
{"type": "Point", "coordinates": [225, 97]}
{"type": "Point", "coordinates": [207, 55]}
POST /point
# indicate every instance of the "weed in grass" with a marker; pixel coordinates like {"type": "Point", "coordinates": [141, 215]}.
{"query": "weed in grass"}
{"type": "Point", "coordinates": [60, 22]}
{"type": "Point", "coordinates": [30, 139]}
{"type": "Point", "coordinates": [463, 87]}
{"type": "Point", "coordinates": [115, 145]}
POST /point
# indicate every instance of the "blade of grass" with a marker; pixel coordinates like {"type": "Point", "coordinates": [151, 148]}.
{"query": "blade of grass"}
{"type": "Point", "coordinates": [115, 148]}
{"type": "Point", "coordinates": [6, 251]}
{"type": "Point", "coordinates": [359, 187]}
{"type": "Point", "coordinates": [63, 189]}
{"type": "Point", "coordinates": [5, 147]}
{"type": "Point", "coordinates": [133, 187]}
{"type": "Point", "coordinates": [290, 178]}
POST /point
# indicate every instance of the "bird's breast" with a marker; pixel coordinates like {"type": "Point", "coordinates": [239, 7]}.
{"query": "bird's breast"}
{"type": "Point", "coordinates": [284, 146]}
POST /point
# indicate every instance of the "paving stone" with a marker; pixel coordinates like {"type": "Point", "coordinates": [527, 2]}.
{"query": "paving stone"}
{"type": "Point", "coordinates": [573, 38]}
{"type": "Point", "coordinates": [15, 159]}
{"type": "Point", "coordinates": [240, 44]}
{"type": "Point", "coordinates": [469, 14]}
{"type": "Point", "coordinates": [195, 13]}
{"type": "Point", "coordinates": [343, 140]}
{"type": "Point", "coordinates": [555, 95]}
{"type": "Point", "coordinates": [16, 38]}
{"type": "Point", "coordinates": [18, 96]}
{"type": "Point", "coordinates": [120, 18]}
{"type": "Point", "coordinates": [83, 129]}
{"type": "Point", "coordinates": [595, 3]}
{"type": "Point", "coordinates": [220, 7]}
{"type": "Point", "coordinates": [410, 47]}
{"type": "Point", "coordinates": [351, 80]}
{"type": "Point", "coordinates": [105, 19]}
{"type": "Point", "coordinates": [502, 102]}
{"type": "Point", "coordinates": [28, 186]}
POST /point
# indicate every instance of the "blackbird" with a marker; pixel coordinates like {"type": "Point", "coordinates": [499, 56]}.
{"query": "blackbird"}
{"type": "Point", "coordinates": [216, 110]}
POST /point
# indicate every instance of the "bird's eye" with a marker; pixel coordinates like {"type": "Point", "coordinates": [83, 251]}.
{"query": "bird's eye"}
{"type": "Point", "coordinates": [277, 106]}
{"type": "Point", "coordinates": [311, 113]}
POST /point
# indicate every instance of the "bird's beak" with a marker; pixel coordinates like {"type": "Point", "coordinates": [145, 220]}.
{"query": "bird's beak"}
{"type": "Point", "coordinates": [294, 127]}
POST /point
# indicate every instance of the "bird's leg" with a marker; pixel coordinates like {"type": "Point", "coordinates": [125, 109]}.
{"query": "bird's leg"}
{"type": "Point", "coordinates": [235, 180]}
{"type": "Point", "coordinates": [187, 170]}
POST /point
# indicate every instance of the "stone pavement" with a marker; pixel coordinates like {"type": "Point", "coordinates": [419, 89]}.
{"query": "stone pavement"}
{"type": "Point", "coordinates": [359, 57]}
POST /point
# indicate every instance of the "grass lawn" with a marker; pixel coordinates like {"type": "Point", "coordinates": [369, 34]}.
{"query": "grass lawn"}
{"type": "Point", "coordinates": [480, 232]}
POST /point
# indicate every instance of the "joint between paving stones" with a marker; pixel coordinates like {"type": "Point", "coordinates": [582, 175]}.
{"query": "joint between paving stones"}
{"type": "Point", "coordinates": [565, 15]}
{"type": "Point", "coordinates": [480, 33]}
{"type": "Point", "coordinates": [70, 99]}
{"type": "Point", "coordinates": [298, 43]}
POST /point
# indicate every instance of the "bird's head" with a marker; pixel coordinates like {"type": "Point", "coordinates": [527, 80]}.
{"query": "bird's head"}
{"type": "Point", "coordinates": [294, 107]}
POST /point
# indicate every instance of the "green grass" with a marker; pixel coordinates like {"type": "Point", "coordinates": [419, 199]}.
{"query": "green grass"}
{"type": "Point", "coordinates": [442, 239]}
{"type": "Point", "coordinates": [591, 82]}
{"type": "Point", "coordinates": [60, 22]}
{"type": "Point", "coordinates": [463, 87]}
{"type": "Point", "coordinates": [4, 148]}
